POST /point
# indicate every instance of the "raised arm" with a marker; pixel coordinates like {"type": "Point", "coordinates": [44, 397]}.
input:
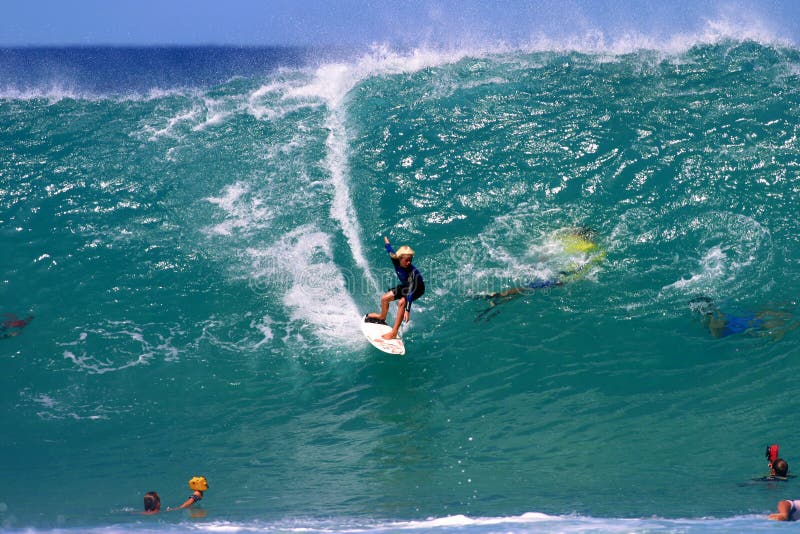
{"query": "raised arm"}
{"type": "Point", "coordinates": [784, 509]}
{"type": "Point", "coordinates": [388, 246]}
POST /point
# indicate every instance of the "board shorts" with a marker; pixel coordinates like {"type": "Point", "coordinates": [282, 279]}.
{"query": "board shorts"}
{"type": "Point", "coordinates": [794, 513]}
{"type": "Point", "coordinates": [737, 325]}
{"type": "Point", "coordinates": [402, 291]}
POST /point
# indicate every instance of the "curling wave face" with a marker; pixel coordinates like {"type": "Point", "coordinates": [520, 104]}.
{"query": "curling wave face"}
{"type": "Point", "coordinates": [197, 257]}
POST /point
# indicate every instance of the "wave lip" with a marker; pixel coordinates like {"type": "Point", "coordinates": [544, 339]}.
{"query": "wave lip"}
{"type": "Point", "coordinates": [146, 73]}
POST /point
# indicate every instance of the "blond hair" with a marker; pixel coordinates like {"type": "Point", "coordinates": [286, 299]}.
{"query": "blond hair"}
{"type": "Point", "coordinates": [405, 250]}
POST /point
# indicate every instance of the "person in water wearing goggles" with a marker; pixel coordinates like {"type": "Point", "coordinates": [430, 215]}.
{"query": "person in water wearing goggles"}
{"type": "Point", "coordinates": [721, 324]}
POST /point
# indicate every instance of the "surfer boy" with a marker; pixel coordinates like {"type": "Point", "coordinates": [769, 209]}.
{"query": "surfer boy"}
{"type": "Point", "coordinates": [411, 287]}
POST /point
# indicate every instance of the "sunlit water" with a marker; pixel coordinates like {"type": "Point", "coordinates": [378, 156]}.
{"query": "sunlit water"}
{"type": "Point", "coordinates": [196, 232]}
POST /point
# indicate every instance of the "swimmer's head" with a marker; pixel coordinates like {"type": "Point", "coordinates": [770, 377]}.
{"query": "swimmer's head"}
{"type": "Point", "coordinates": [198, 483]}
{"type": "Point", "coordinates": [405, 250]}
{"type": "Point", "coordinates": [152, 502]}
{"type": "Point", "coordinates": [702, 305]}
{"type": "Point", "coordinates": [584, 232]}
{"type": "Point", "coordinates": [780, 467]}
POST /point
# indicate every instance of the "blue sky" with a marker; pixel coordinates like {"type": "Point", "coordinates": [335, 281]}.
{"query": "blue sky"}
{"type": "Point", "coordinates": [360, 22]}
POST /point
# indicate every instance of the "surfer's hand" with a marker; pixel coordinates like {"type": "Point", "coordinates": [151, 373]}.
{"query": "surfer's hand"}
{"type": "Point", "coordinates": [386, 240]}
{"type": "Point", "coordinates": [407, 316]}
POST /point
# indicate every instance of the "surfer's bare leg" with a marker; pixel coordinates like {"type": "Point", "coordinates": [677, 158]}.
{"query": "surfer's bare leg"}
{"type": "Point", "coordinates": [386, 299]}
{"type": "Point", "coordinates": [401, 312]}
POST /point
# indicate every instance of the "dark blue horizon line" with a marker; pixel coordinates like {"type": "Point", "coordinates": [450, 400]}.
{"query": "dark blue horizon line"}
{"type": "Point", "coordinates": [162, 46]}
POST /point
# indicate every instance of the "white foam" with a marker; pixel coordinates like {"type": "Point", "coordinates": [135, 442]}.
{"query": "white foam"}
{"type": "Point", "coordinates": [540, 522]}
{"type": "Point", "coordinates": [299, 267]}
{"type": "Point", "coordinates": [713, 266]}
{"type": "Point", "coordinates": [267, 102]}
{"type": "Point", "coordinates": [130, 348]}
{"type": "Point", "coordinates": [517, 256]}
{"type": "Point", "coordinates": [526, 522]}
{"type": "Point", "coordinates": [244, 211]}
{"type": "Point", "coordinates": [331, 83]}
{"type": "Point", "coordinates": [264, 326]}
{"type": "Point", "coordinates": [92, 365]}
{"type": "Point", "coordinates": [55, 92]}
{"type": "Point", "coordinates": [216, 112]}
{"type": "Point", "coordinates": [50, 408]}
{"type": "Point", "coordinates": [723, 266]}
{"type": "Point", "coordinates": [232, 194]}
{"type": "Point", "coordinates": [342, 209]}
{"type": "Point", "coordinates": [463, 521]}
{"type": "Point", "coordinates": [172, 123]}
{"type": "Point", "coordinates": [719, 28]}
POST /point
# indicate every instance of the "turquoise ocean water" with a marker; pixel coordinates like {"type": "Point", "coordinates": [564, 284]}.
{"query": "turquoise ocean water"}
{"type": "Point", "coordinates": [196, 232]}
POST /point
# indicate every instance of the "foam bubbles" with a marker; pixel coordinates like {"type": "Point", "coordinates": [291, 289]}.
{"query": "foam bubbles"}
{"type": "Point", "coordinates": [331, 83]}
{"type": "Point", "coordinates": [116, 345]}
{"type": "Point", "coordinates": [300, 268]}
{"type": "Point", "coordinates": [169, 130]}
{"type": "Point", "coordinates": [246, 212]}
{"type": "Point", "coordinates": [712, 30]}
{"type": "Point", "coordinates": [730, 250]}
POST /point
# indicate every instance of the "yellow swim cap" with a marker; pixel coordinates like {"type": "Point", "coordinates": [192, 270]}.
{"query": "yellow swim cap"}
{"type": "Point", "coordinates": [198, 483]}
{"type": "Point", "coordinates": [575, 244]}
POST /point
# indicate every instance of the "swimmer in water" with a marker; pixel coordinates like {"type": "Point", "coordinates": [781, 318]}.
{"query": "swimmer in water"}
{"type": "Point", "coordinates": [12, 326]}
{"type": "Point", "coordinates": [778, 467]}
{"type": "Point", "coordinates": [198, 485]}
{"type": "Point", "coordinates": [152, 503]}
{"type": "Point", "coordinates": [787, 511]}
{"type": "Point", "coordinates": [764, 323]}
{"type": "Point", "coordinates": [578, 240]}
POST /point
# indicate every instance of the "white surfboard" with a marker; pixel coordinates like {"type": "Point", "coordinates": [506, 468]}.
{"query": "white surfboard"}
{"type": "Point", "coordinates": [373, 332]}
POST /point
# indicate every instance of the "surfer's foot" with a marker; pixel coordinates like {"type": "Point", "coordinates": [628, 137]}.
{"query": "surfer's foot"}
{"type": "Point", "coordinates": [389, 335]}
{"type": "Point", "coordinates": [376, 316]}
